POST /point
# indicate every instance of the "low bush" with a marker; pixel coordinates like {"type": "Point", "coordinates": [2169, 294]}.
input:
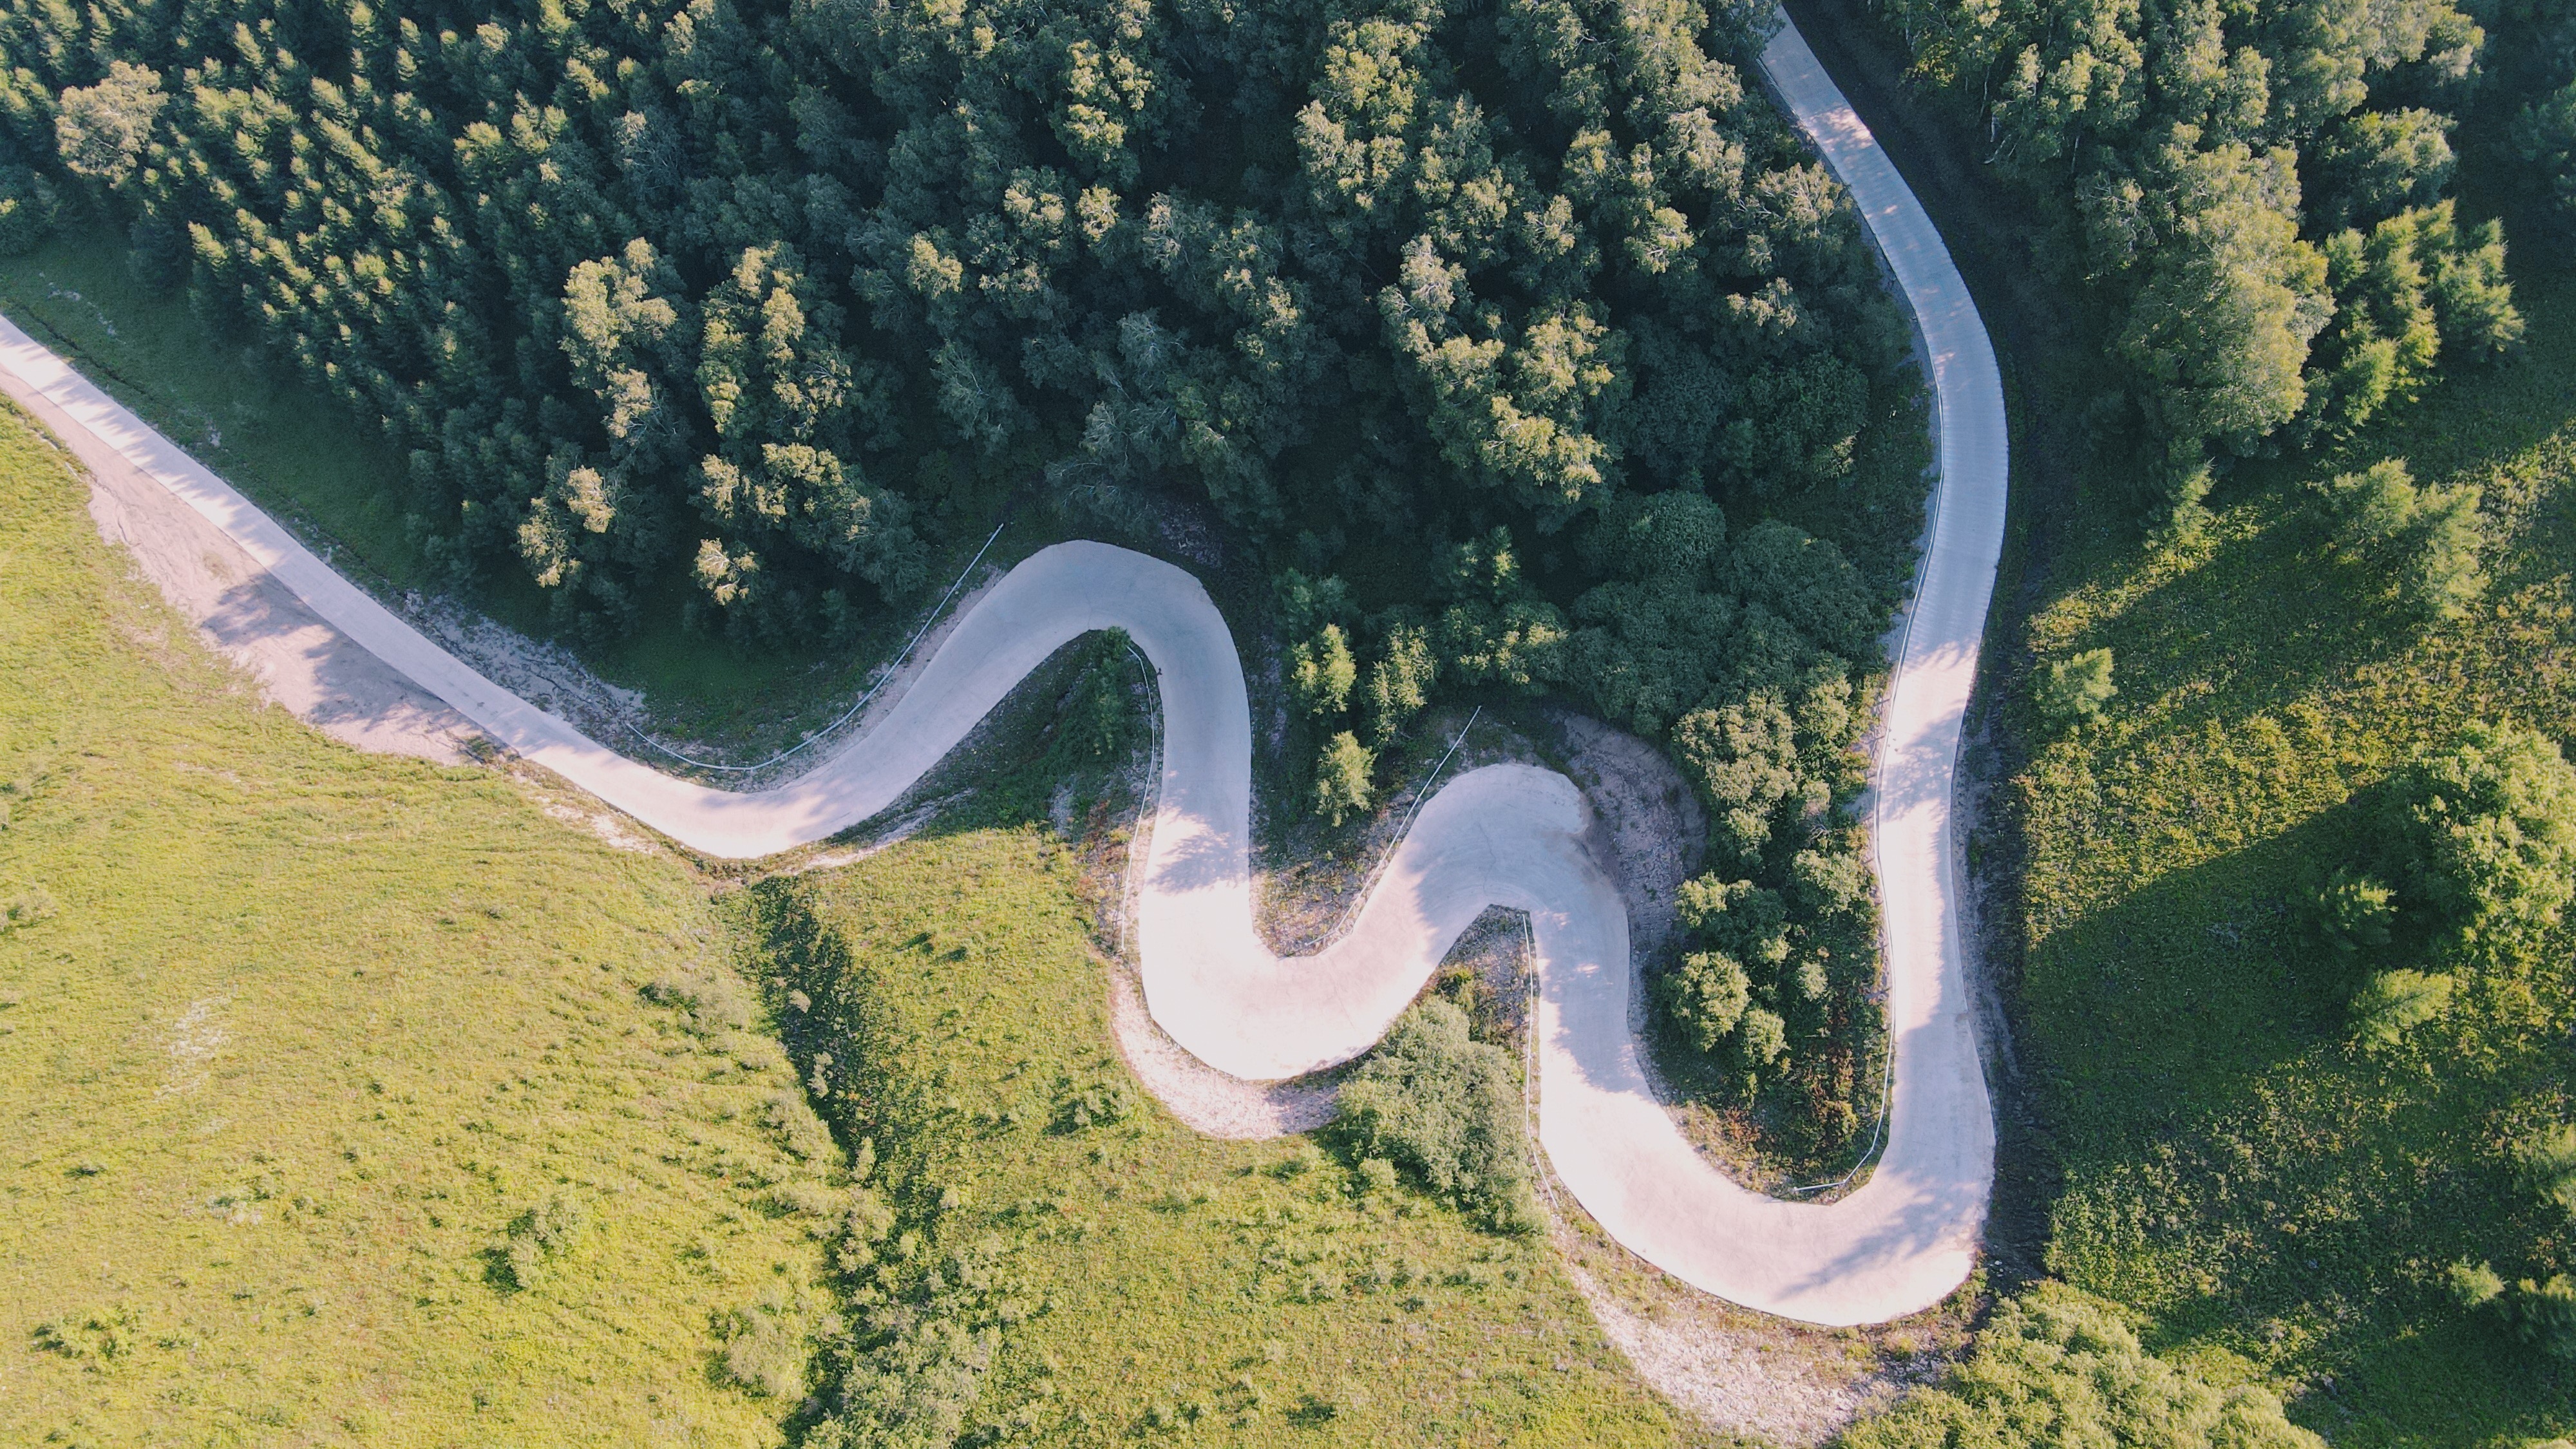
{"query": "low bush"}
{"type": "Point", "coordinates": [2057, 1367]}
{"type": "Point", "coordinates": [540, 1236]}
{"type": "Point", "coordinates": [1079, 1108]}
{"type": "Point", "coordinates": [2489, 827]}
{"type": "Point", "coordinates": [2393, 1003]}
{"type": "Point", "coordinates": [2353, 912]}
{"type": "Point", "coordinates": [1447, 1110]}
{"type": "Point", "coordinates": [1342, 777]}
{"type": "Point", "coordinates": [25, 908]}
{"type": "Point", "coordinates": [766, 1355]}
{"type": "Point", "coordinates": [2073, 691]}
{"type": "Point", "coordinates": [2424, 542]}
{"type": "Point", "coordinates": [1099, 719]}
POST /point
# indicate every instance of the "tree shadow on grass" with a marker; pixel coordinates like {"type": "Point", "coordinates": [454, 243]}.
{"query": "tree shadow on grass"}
{"type": "Point", "coordinates": [2235, 1167]}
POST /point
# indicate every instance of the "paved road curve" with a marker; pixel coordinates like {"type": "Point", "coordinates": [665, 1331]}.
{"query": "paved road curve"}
{"type": "Point", "coordinates": [1508, 835]}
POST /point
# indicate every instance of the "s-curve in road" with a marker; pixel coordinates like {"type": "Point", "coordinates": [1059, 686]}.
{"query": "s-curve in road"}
{"type": "Point", "coordinates": [1510, 835]}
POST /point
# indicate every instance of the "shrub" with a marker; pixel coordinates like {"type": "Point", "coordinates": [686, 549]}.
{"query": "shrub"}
{"type": "Point", "coordinates": [865, 1222]}
{"type": "Point", "coordinates": [539, 1237]}
{"type": "Point", "coordinates": [766, 1356]}
{"type": "Point", "coordinates": [1321, 672]}
{"type": "Point", "coordinates": [25, 908]}
{"type": "Point", "coordinates": [1762, 1040]}
{"type": "Point", "coordinates": [1096, 1105]}
{"type": "Point", "coordinates": [2393, 1003]}
{"type": "Point", "coordinates": [2540, 1311]}
{"type": "Point", "coordinates": [2424, 541]}
{"type": "Point", "coordinates": [1706, 996]}
{"type": "Point", "coordinates": [27, 207]}
{"type": "Point", "coordinates": [2493, 825]}
{"type": "Point", "coordinates": [2073, 691]}
{"type": "Point", "coordinates": [1447, 1110]}
{"type": "Point", "coordinates": [923, 1347]}
{"type": "Point", "coordinates": [1744, 756]}
{"type": "Point", "coordinates": [2057, 1367]}
{"type": "Point", "coordinates": [1096, 716]}
{"type": "Point", "coordinates": [2549, 1165]}
{"type": "Point", "coordinates": [2544, 1313]}
{"type": "Point", "coordinates": [1342, 778]}
{"type": "Point", "coordinates": [2545, 134]}
{"type": "Point", "coordinates": [788, 1114]}
{"type": "Point", "coordinates": [2354, 912]}
{"type": "Point", "coordinates": [2475, 1284]}
{"type": "Point", "coordinates": [1401, 682]}
{"type": "Point", "coordinates": [716, 1002]}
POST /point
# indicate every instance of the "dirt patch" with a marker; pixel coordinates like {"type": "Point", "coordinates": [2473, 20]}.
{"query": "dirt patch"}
{"type": "Point", "coordinates": [1737, 1374]}
{"type": "Point", "coordinates": [1734, 1370]}
{"type": "Point", "coordinates": [1650, 821]}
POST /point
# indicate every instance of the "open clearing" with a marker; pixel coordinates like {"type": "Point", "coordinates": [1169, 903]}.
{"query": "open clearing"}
{"type": "Point", "coordinates": [306, 1033]}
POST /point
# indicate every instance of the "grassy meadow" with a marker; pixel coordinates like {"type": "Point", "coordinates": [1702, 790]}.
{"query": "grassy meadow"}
{"type": "Point", "coordinates": [1253, 1294]}
{"type": "Point", "coordinates": [296, 1043]}
{"type": "Point", "coordinates": [2273, 1203]}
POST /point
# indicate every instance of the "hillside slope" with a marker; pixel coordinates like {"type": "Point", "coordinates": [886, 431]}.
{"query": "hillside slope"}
{"type": "Point", "coordinates": [297, 1045]}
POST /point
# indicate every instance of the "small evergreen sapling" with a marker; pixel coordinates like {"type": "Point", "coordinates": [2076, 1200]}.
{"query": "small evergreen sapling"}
{"type": "Point", "coordinates": [2394, 1003]}
{"type": "Point", "coordinates": [1342, 778]}
{"type": "Point", "coordinates": [2073, 691]}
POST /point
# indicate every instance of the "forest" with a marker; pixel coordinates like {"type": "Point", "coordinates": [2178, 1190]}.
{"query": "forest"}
{"type": "Point", "coordinates": [2255, 199]}
{"type": "Point", "coordinates": [1514, 343]}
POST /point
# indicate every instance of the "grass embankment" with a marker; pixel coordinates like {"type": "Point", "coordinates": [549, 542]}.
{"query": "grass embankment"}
{"type": "Point", "coordinates": [1261, 1293]}
{"type": "Point", "coordinates": [304, 457]}
{"type": "Point", "coordinates": [311, 1041]}
{"type": "Point", "coordinates": [2271, 1200]}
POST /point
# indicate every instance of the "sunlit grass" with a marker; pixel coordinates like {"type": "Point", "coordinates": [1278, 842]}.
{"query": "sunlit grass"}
{"type": "Point", "coordinates": [2275, 1202]}
{"type": "Point", "coordinates": [305, 1033]}
{"type": "Point", "coordinates": [1249, 1293]}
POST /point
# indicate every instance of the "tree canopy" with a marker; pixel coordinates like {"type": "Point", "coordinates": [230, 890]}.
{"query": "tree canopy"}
{"type": "Point", "coordinates": [762, 299]}
{"type": "Point", "coordinates": [2255, 197]}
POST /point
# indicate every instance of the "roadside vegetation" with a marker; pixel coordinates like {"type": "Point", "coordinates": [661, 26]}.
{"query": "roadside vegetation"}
{"type": "Point", "coordinates": [312, 464]}
{"type": "Point", "coordinates": [354, 1099]}
{"type": "Point", "coordinates": [1038, 1253]}
{"type": "Point", "coordinates": [361, 1100]}
{"type": "Point", "coordinates": [1059, 1262]}
{"type": "Point", "coordinates": [2276, 834]}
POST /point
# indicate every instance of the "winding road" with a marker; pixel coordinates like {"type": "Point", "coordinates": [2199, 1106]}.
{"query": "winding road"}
{"type": "Point", "coordinates": [1507, 835]}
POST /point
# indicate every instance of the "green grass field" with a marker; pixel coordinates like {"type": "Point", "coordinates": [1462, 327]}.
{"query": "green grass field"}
{"type": "Point", "coordinates": [305, 1034]}
{"type": "Point", "coordinates": [2272, 1202]}
{"type": "Point", "coordinates": [1254, 1293]}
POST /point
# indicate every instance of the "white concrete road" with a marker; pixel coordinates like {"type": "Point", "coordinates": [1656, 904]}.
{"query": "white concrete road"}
{"type": "Point", "coordinates": [1509, 835]}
